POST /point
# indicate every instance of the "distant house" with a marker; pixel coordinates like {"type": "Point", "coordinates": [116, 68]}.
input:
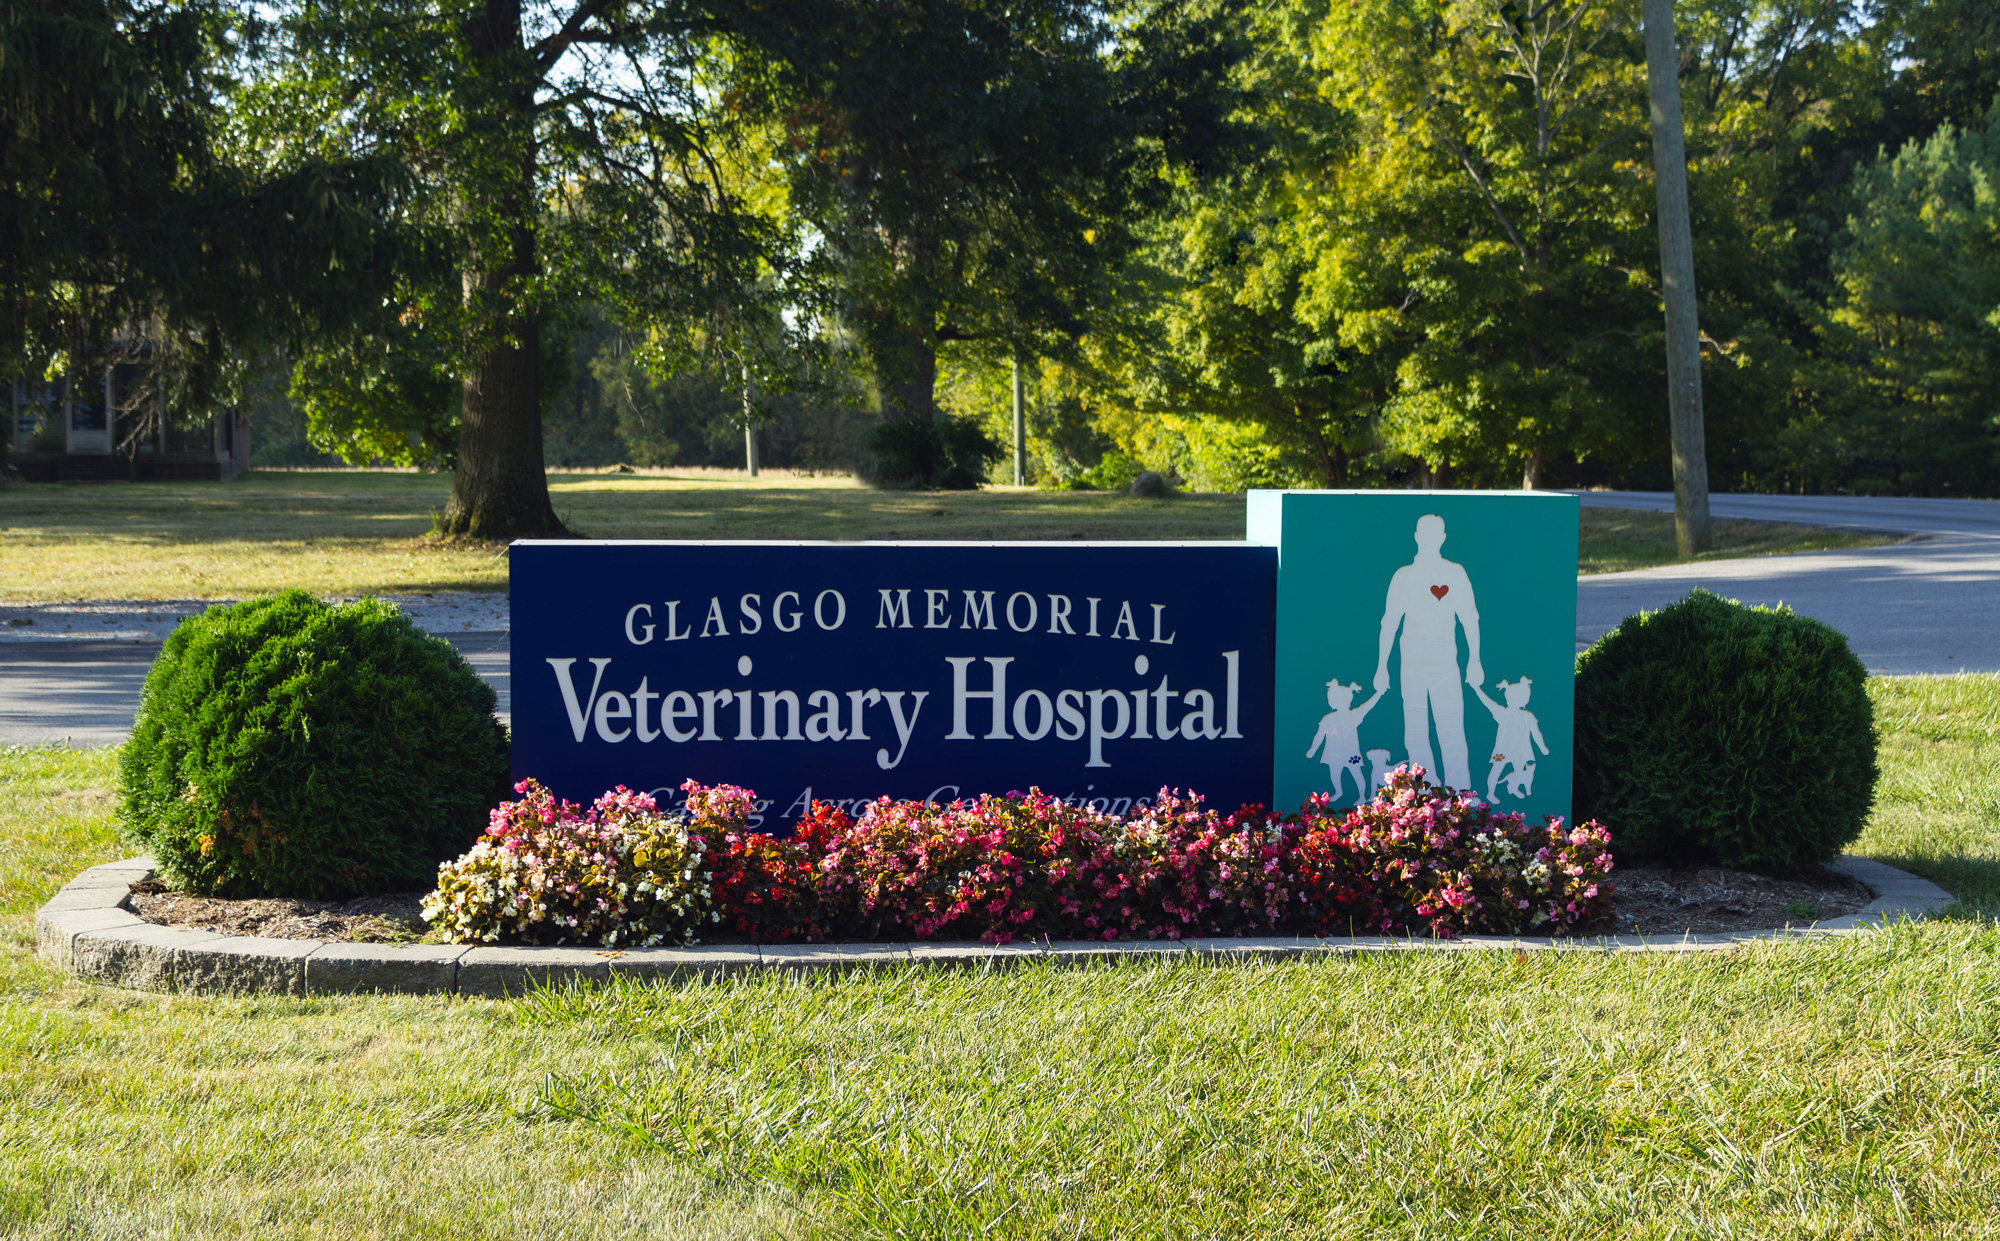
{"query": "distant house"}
{"type": "Point", "coordinates": [76, 432]}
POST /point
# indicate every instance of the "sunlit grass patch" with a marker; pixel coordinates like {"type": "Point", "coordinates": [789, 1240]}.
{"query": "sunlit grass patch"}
{"type": "Point", "coordinates": [1614, 540]}
{"type": "Point", "coordinates": [1835, 1089]}
{"type": "Point", "coordinates": [55, 819]}
{"type": "Point", "coordinates": [357, 532]}
{"type": "Point", "coordinates": [1419, 1095]}
{"type": "Point", "coordinates": [1937, 808]}
{"type": "Point", "coordinates": [361, 531]}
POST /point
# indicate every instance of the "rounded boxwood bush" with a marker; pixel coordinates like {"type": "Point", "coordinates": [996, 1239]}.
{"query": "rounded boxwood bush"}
{"type": "Point", "coordinates": [1708, 732]}
{"type": "Point", "coordinates": [286, 747]}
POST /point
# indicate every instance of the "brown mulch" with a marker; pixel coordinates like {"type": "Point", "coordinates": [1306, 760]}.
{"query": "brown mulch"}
{"type": "Point", "coordinates": [391, 918]}
{"type": "Point", "coordinates": [1656, 900]}
{"type": "Point", "coordinates": [1650, 900]}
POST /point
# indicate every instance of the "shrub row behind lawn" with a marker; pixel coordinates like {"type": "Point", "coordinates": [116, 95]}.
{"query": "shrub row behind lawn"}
{"type": "Point", "coordinates": [1419, 859]}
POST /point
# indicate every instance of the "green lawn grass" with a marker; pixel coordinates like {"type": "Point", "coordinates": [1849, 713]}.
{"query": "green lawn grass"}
{"type": "Point", "coordinates": [1834, 1089]}
{"type": "Point", "coordinates": [1614, 540]}
{"type": "Point", "coordinates": [357, 532]}
{"type": "Point", "coordinates": [1937, 808]}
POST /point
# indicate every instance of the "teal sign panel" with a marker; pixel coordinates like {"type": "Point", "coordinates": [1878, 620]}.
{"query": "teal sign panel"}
{"type": "Point", "coordinates": [1436, 628]}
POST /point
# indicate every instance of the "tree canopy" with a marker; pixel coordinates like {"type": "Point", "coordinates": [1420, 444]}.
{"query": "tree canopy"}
{"type": "Point", "coordinates": [1442, 266]}
{"type": "Point", "coordinates": [123, 211]}
{"type": "Point", "coordinates": [562, 154]}
{"type": "Point", "coordinates": [973, 175]}
{"type": "Point", "coordinates": [1385, 242]}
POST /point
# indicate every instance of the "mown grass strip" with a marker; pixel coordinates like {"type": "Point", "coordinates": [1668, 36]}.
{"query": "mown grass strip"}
{"type": "Point", "coordinates": [1615, 540]}
{"type": "Point", "coordinates": [360, 532]}
{"type": "Point", "coordinates": [1430, 1095]}
{"type": "Point", "coordinates": [1834, 1089]}
{"type": "Point", "coordinates": [1937, 807]}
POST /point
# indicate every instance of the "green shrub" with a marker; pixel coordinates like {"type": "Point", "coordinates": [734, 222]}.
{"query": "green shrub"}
{"type": "Point", "coordinates": [285, 747]}
{"type": "Point", "coordinates": [1114, 471]}
{"type": "Point", "coordinates": [948, 454]}
{"type": "Point", "coordinates": [1712, 732]}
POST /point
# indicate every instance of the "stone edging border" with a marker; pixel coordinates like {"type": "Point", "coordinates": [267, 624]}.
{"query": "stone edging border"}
{"type": "Point", "coordinates": [89, 930]}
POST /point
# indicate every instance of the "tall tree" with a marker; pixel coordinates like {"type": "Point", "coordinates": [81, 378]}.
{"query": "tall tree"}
{"type": "Point", "coordinates": [566, 150]}
{"type": "Point", "coordinates": [1217, 346]}
{"type": "Point", "coordinates": [972, 170]}
{"type": "Point", "coordinates": [123, 213]}
{"type": "Point", "coordinates": [1917, 329]}
{"type": "Point", "coordinates": [1477, 236]}
{"type": "Point", "coordinates": [1216, 331]}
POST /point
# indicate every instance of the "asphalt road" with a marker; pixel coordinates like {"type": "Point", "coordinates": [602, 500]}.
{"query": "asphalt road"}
{"type": "Point", "coordinates": [1929, 605]}
{"type": "Point", "coordinates": [86, 692]}
{"type": "Point", "coordinates": [1890, 515]}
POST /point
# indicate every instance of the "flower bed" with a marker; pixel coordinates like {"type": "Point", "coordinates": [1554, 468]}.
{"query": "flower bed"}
{"type": "Point", "coordinates": [1418, 860]}
{"type": "Point", "coordinates": [621, 873]}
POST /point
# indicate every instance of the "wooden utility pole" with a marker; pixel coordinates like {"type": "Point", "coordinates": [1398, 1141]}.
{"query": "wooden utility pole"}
{"type": "Point", "coordinates": [1691, 525]}
{"type": "Point", "coordinates": [1020, 430]}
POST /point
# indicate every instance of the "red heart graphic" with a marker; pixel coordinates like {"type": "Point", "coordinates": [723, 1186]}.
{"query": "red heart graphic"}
{"type": "Point", "coordinates": [1440, 591]}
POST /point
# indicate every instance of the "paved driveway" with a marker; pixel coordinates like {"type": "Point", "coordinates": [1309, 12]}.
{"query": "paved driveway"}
{"type": "Point", "coordinates": [1895, 516]}
{"type": "Point", "coordinates": [87, 692]}
{"type": "Point", "coordinates": [81, 691]}
{"type": "Point", "coordinates": [1930, 605]}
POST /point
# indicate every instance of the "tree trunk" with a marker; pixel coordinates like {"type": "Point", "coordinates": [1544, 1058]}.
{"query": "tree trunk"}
{"type": "Point", "coordinates": [1332, 456]}
{"type": "Point", "coordinates": [908, 384]}
{"type": "Point", "coordinates": [499, 487]}
{"type": "Point", "coordinates": [1692, 532]}
{"type": "Point", "coordinates": [499, 490]}
{"type": "Point", "coordinates": [1531, 470]}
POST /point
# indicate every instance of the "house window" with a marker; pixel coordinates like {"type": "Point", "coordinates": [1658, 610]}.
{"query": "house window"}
{"type": "Point", "coordinates": [87, 414]}
{"type": "Point", "coordinates": [37, 416]}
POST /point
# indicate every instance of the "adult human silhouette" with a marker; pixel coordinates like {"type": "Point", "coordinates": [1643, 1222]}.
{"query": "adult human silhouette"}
{"type": "Point", "coordinates": [1429, 599]}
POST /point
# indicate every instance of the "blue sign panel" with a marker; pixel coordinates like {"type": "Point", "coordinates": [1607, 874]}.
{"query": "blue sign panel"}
{"type": "Point", "coordinates": [839, 672]}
